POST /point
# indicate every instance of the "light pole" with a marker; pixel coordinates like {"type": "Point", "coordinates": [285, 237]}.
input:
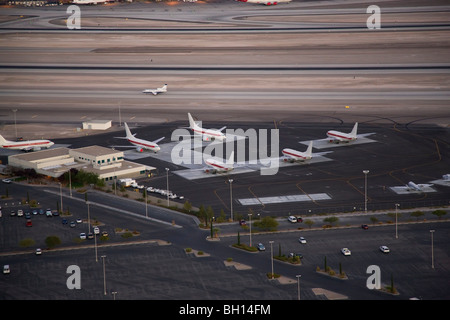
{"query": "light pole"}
{"type": "Point", "coordinates": [365, 189]}
{"type": "Point", "coordinates": [298, 285]}
{"type": "Point", "coordinates": [104, 275]}
{"type": "Point", "coordinates": [271, 256]}
{"type": "Point", "coordinates": [396, 212]}
{"type": "Point", "coordinates": [250, 222]}
{"type": "Point", "coordinates": [167, 176]}
{"type": "Point", "coordinates": [95, 245]}
{"type": "Point", "coordinates": [146, 208]}
{"type": "Point", "coordinates": [60, 193]}
{"type": "Point", "coordinates": [432, 250]}
{"type": "Point", "coordinates": [231, 199]}
{"type": "Point", "coordinates": [89, 218]}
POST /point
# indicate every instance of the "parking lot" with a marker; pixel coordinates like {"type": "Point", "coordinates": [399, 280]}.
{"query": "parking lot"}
{"type": "Point", "coordinates": [153, 264]}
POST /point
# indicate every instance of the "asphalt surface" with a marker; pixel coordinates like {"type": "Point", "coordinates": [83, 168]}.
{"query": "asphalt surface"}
{"type": "Point", "coordinates": [154, 264]}
{"type": "Point", "coordinates": [303, 68]}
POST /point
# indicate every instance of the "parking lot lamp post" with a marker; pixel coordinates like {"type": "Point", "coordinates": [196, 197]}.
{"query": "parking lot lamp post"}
{"type": "Point", "coordinates": [271, 256]}
{"type": "Point", "coordinates": [89, 218]}
{"type": "Point", "coordinates": [95, 245]}
{"type": "Point", "coordinates": [432, 250]}
{"type": "Point", "coordinates": [396, 212]}
{"type": "Point", "coordinates": [298, 285]}
{"type": "Point", "coordinates": [231, 199]}
{"type": "Point", "coordinates": [167, 176]}
{"type": "Point", "coordinates": [104, 275]}
{"type": "Point", "coordinates": [60, 193]}
{"type": "Point", "coordinates": [365, 189]}
{"type": "Point", "coordinates": [250, 222]}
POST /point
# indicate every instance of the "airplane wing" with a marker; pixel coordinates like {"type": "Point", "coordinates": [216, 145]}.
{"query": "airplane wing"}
{"type": "Point", "coordinates": [222, 128]}
{"type": "Point", "coordinates": [156, 141]}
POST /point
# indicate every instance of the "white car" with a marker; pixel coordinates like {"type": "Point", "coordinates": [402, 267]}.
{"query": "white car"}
{"type": "Point", "coordinates": [6, 269]}
{"type": "Point", "coordinates": [38, 251]}
{"type": "Point", "coordinates": [302, 240]}
{"type": "Point", "coordinates": [96, 230]}
{"type": "Point", "coordinates": [346, 252]}
{"type": "Point", "coordinates": [384, 249]}
{"type": "Point", "coordinates": [82, 235]}
{"type": "Point", "coordinates": [292, 219]}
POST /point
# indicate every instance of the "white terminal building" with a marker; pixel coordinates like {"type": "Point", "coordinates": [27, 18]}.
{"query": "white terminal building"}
{"type": "Point", "coordinates": [106, 163]}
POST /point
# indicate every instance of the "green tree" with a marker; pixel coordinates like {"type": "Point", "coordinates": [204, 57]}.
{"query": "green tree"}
{"type": "Point", "coordinates": [439, 213]}
{"type": "Point", "coordinates": [308, 222]}
{"type": "Point", "coordinates": [266, 224]}
{"type": "Point", "coordinates": [331, 220]}
{"type": "Point", "coordinates": [52, 241]}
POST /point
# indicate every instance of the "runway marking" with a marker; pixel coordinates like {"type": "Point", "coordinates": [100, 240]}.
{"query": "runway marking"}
{"type": "Point", "coordinates": [283, 199]}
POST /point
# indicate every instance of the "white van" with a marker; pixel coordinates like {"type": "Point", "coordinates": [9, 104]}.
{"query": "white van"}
{"type": "Point", "coordinates": [6, 269]}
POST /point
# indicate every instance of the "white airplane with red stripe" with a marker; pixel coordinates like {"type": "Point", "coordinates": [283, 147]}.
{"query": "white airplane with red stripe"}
{"type": "Point", "coordinates": [294, 155]}
{"type": "Point", "coordinates": [220, 166]}
{"type": "Point", "coordinates": [207, 134]}
{"type": "Point", "coordinates": [140, 143]}
{"type": "Point", "coordinates": [266, 2]}
{"type": "Point", "coordinates": [29, 145]}
{"type": "Point", "coordinates": [336, 136]}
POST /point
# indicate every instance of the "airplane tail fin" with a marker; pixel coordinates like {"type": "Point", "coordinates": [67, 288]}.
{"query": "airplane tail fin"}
{"type": "Point", "coordinates": [309, 150]}
{"type": "Point", "coordinates": [192, 123]}
{"type": "Point", "coordinates": [231, 159]}
{"type": "Point", "coordinates": [127, 131]}
{"type": "Point", "coordinates": [355, 130]}
{"type": "Point", "coordinates": [164, 87]}
{"type": "Point", "coordinates": [2, 140]}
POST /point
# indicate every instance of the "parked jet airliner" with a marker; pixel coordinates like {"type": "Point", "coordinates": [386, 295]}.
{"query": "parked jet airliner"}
{"type": "Point", "coordinates": [207, 134]}
{"type": "Point", "coordinates": [140, 143]}
{"type": "Point", "coordinates": [157, 90]}
{"type": "Point", "coordinates": [29, 145]}
{"type": "Point", "coordinates": [220, 166]}
{"type": "Point", "coordinates": [417, 187]}
{"type": "Point", "coordinates": [336, 136]}
{"type": "Point", "coordinates": [294, 155]}
{"type": "Point", "coordinates": [266, 2]}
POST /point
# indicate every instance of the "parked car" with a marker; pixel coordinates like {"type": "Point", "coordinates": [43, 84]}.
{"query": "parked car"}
{"type": "Point", "coordinates": [38, 251]}
{"type": "Point", "coordinates": [13, 213]}
{"type": "Point", "coordinates": [292, 219]}
{"type": "Point", "coordinates": [6, 269]}
{"type": "Point", "coordinates": [96, 230]}
{"type": "Point", "coordinates": [82, 235]}
{"type": "Point", "coordinates": [260, 247]}
{"type": "Point", "coordinates": [384, 249]}
{"type": "Point", "coordinates": [346, 252]}
{"type": "Point", "coordinates": [292, 255]}
{"type": "Point", "coordinates": [29, 223]}
{"type": "Point", "coordinates": [20, 213]}
{"type": "Point", "coordinates": [90, 235]}
{"type": "Point", "coordinates": [6, 180]}
{"type": "Point", "coordinates": [79, 220]}
{"type": "Point", "coordinates": [302, 240]}
{"type": "Point", "coordinates": [64, 221]}
{"type": "Point", "coordinates": [72, 224]}
{"type": "Point", "coordinates": [48, 213]}
{"type": "Point", "coordinates": [242, 222]}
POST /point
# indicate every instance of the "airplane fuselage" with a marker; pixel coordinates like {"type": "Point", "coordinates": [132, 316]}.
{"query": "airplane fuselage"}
{"type": "Point", "coordinates": [144, 144]}
{"type": "Point", "coordinates": [219, 166]}
{"type": "Point", "coordinates": [340, 136]}
{"type": "Point", "coordinates": [296, 155]}
{"type": "Point", "coordinates": [27, 145]}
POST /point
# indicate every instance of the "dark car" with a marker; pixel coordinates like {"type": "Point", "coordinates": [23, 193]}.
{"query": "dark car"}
{"type": "Point", "coordinates": [260, 247]}
{"type": "Point", "coordinates": [29, 223]}
{"type": "Point", "coordinates": [242, 222]}
{"type": "Point", "coordinates": [64, 221]}
{"type": "Point", "coordinates": [365, 226]}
